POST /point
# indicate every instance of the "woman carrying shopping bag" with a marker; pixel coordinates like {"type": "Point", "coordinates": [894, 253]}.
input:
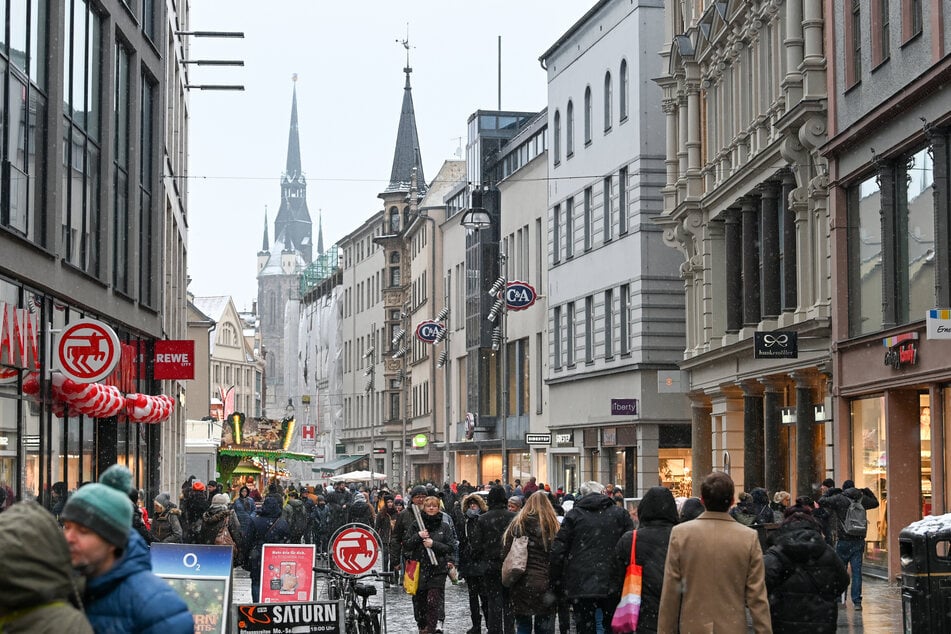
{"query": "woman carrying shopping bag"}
{"type": "Point", "coordinates": [533, 603]}
{"type": "Point", "coordinates": [431, 542]}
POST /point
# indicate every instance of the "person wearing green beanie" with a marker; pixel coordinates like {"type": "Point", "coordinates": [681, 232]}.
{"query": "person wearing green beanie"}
{"type": "Point", "coordinates": [122, 593]}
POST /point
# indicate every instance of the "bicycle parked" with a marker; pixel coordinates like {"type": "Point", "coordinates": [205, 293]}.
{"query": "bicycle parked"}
{"type": "Point", "coordinates": [359, 616]}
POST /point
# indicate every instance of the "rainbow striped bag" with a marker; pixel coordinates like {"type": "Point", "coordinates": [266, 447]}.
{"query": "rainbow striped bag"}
{"type": "Point", "coordinates": [629, 608]}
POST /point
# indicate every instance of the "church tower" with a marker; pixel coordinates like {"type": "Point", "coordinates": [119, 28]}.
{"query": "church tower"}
{"type": "Point", "coordinates": [279, 267]}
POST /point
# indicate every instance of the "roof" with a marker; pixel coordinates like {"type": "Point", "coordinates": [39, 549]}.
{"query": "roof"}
{"type": "Point", "coordinates": [213, 307]}
{"type": "Point", "coordinates": [406, 155]}
{"type": "Point", "coordinates": [571, 31]}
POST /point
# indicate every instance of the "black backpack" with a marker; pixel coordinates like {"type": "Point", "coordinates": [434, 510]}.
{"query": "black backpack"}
{"type": "Point", "coordinates": [297, 522]}
{"type": "Point", "coordinates": [855, 523]}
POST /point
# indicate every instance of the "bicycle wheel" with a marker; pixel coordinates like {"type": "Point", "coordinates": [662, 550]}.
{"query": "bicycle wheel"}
{"type": "Point", "coordinates": [370, 623]}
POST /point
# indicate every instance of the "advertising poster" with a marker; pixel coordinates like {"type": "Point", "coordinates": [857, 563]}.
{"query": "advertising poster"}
{"type": "Point", "coordinates": [287, 573]}
{"type": "Point", "coordinates": [323, 617]}
{"type": "Point", "coordinates": [201, 575]}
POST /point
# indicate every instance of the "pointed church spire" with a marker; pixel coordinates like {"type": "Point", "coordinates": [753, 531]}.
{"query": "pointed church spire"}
{"type": "Point", "coordinates": [406, 156]}
{"type": "Point", "coordinates": [320, 232]}
{"type": "Point", "coordinates": [293, 138]}
{"type": "Point", "coordinates": [266, 246]}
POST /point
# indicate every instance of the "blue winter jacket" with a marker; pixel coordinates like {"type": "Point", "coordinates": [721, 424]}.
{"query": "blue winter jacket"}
{"type": "Point", "coordinates": [130, 599]}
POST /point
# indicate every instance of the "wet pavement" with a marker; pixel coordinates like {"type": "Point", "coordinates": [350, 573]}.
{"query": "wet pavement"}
{"type": "Point", "coordinates": [881, 606]}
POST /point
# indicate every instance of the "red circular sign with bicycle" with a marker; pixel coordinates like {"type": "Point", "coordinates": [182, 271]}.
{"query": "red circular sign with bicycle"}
{"type": "Point", "coordinates": [88, 351]}
{"type": "Point", "coordinates": [355, 548]}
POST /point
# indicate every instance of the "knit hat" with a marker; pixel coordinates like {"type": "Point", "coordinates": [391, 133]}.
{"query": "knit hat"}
{"type": "Point", "coordinates": [516, 500]}
{"type": "Point", "coordinates": [198, 486]}
{"type": "Point", "coordinates": [418, 490]}
{"type": "Point", "coordinates": [496, 497]}
{"type": "Point", "coordinates": [104, 507]}
{"type": "Point", "coordinates": [164, 500]}
{"type": "Point", "coordinates": [221, 499]}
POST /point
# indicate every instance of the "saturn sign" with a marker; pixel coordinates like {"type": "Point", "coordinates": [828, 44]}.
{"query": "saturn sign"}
{"type": "Point", "coordinates": [428, 330]}
{"type": "Point", "coordinates": [520, 295]}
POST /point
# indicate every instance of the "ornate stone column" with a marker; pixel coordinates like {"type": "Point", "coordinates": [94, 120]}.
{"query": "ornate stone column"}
{"type": "Point", "coordinates": [734, 279]}
{"type": "Point", "coordinates": [701, 452]}
{"type": "Point", "coordinates": [790, 295]}
{"type": "Point", "coordinates": [751, 293]}
{"type": "Point", "coordinates": [806, 462]}
{"type": "Point", "coordinates": [769, 219]}
{"type": "Point", "coordinates": [753, 454]}
{"type": "Point", "coordinates": [775, 446]}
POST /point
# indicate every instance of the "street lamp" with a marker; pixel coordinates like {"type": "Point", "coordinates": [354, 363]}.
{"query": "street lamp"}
{"type": "Point", "coordinates": [476, 217]}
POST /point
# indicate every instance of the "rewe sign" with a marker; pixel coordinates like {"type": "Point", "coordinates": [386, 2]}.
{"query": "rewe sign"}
{"type": "Point", "coordinates": [174, 359]}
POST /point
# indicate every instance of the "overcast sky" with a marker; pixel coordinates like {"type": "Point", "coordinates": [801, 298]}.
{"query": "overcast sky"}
{"type": "Point", "coordinates": [349, 65]}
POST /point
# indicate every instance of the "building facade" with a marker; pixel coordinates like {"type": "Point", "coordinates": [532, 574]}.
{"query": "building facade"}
{"type": "Point", "coordinates": [614, 298]}
{"type": "Point", "coordinates": [889, 162]}
{"type": "Point", "coordinates": [92, 225]}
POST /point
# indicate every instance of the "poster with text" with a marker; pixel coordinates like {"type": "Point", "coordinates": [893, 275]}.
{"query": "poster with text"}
{"type": "Point", "coordinates": [201, 575]}
{"type": "Point", "coordinates": [320, 617]}
{"type": "Point", "coordinates": [287, 573]}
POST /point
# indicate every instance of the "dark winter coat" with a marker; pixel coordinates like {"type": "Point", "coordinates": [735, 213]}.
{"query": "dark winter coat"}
{"type": "Point", "coordinates": [339, 503]}
{"type": "Point", "coordinates": [37, 595]}
{"type": "Point", "coordinates": [838, 502]}
{"type": "Point", "coordinates": [360, 512]}
{"type": "Point", "coordinates": [656, 514]}
{"type": "Point", "coordinates": [193, 506]}
{"type": "Point", "coordinates": [320, 519]}
{"type": "Point", "coordinates": [404, 521]}
{"type": "Point", "coordinates": [244, 509]}
{"type": "Point", "coordinates": [469, 564]}
{"type": "Point", "coordinates": [804, 578]}
{"type": "Point", "coordinates": [267, 528]}
{"type": "Point", "coordinates": [167, 526]}
{"type": "Point", "coordinates": [383, 524]}
{"type": "Point", "coordinates": [212, 521]}
{"type": "Point", "coordinates": [487, 545]}
{"type": "Point", "coordinates": [583, 560]}
{"type": "Point", "coordinates": [532, 593]}
{"type": "Point", "coordinates": [295, 514]}
{"type": "Point", "coordinates": [444, 544]}
{"type": "Point", "coordinates": [130, 598]}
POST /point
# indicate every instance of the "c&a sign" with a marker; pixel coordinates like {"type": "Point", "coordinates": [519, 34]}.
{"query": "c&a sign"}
{"type": "Point", "coordinates": [19, 349]}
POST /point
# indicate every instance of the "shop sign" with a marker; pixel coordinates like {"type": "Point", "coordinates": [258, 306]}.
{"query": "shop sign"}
{"type": "Point", "coordinates": [355, 548]}
{"type": "Point", "coordinates": [519, 295]}
{"type": "Point", "coordinates": [420, 441]}
{"type": "Point", "coordinates": [902, 350]}
{"type": "Point", "coordinates": [19, 345]}
{"type": "Point", "coordinates": [775, 345]}
{"type": "Point", "coordinates": [201, 576]}
{"type": "Point", "coordinates": [609, 436]}
{"type": "Point", "coordinates": [428, 331]}
{"type": "Point", "coordinates": [174, 359]}
{"type": "Point", "coordinates": [939, 324]}
{"type": "Point", "coordinates": [308, 433]}
{"type": "Point", "coordinates": [88, 350]}
{"type": "Point", "coordinates": [537, 439]}
{"type": "Point", "coordinates": [325, 617]}
{"type": "Point", "coordinates": [565, 439]}
{"type": "Point", "coordinates": [623, 407]}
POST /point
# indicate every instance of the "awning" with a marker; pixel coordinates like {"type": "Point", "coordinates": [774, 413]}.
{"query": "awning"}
{"type": "Point", "coordinates": [246, 469]}
{"type": "Point", "coordinates": [339, 463]}
{"type": "Point", "coordinates": [267, 453]}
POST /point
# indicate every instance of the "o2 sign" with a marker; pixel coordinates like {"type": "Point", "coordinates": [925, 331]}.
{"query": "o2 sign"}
{"type": "Point", "coordinates": [428, 330]}
{"type": "Point", "coordinates": [520, 295]}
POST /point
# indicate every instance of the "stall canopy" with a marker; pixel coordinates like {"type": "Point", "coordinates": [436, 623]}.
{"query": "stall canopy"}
{"type": "Point", "coordinates": [358, 476]}
{"type": "Point", "coordinates": [260, 437]}
{"type": "Point", "coordinates": [333, 465]}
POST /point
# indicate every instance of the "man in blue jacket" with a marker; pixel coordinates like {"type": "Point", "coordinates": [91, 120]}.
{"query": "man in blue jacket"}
{"type": "Point", "coordinates": [122, 593]}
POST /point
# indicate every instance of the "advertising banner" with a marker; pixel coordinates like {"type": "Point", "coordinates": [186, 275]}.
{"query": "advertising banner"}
{"type": "Point", "coordinates": [323, 617]}
{"type": "Point", "coordinates": [201, 575]}
{"type": "Point", "coordinates": [174, 359]}
{"type": "Point", "coordinates": [287, 573]}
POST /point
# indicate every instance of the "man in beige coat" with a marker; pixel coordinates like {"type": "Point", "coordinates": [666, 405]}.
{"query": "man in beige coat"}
{"type": "Point", "coordinates": [714, 570]}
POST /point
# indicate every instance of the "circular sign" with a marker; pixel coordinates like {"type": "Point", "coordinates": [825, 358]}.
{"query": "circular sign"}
{"type": "Point", "coordinates": [519, 295]}
{"type": "Point", "coordinates": [428, 330]}
{"type": "Point", "coordinates": [420, 441]}
{"type": "Point", "coordinates": [88, 351]}
{"type": "Point", "coordinates": [355, 548]}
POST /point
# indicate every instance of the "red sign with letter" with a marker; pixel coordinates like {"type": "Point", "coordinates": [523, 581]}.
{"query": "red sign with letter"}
{"type": "Point", "coordinates": [174, 359]}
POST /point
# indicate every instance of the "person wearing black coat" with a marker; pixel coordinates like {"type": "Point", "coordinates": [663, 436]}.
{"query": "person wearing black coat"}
{"type": "Point", "coordinates": [584, 567]}
{"type": "Point", "coordinates": [360, 511]}
{"type": "Point", "coordinates": [471, 568]}
{"type": "Point", "coordinates": [436, 534]}
{"type": "Point", "coordinates": [656, 514]}
{"type": "Point", "coordinates": [487, 548]}
{"type": "Point", "coordinates": [804, 578]}
{"type": "Point", "coordinates": [849, 548]}
{"type": "Point", "coordinates": [268, 527]}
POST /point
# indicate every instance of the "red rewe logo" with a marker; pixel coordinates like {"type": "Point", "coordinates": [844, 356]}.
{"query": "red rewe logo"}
{"type": "Point", "coordinates": [355, 549]}
{"type": "Point", "coordinates": [88, 351]}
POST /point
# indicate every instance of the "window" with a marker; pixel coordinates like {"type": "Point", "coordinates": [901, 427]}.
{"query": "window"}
{"type": "Point", "coordinates": [587, 219]}
{"type": "Point", "coordinates": [853, 51]}
{"type": "Point", "coordinates": [608, 201]}
{"type": "Point", "coordinates": [608, 101]}
{"type": "Point", "coordinates": [570, 130]}
{"type": "Point", "coordinates": [147, 228]}
{"type": "Point", "coordinates": [609, 323]}
{"type": "Point", "coordinates": [589, 329]}
{"type": "Point", "coordinates": [622, 200]}
{"type": "Point", "coordinates": [556, 234]}
{"type": "Point", "coordinates": [570, 335]}
{"type": "Point", "coordinates": [148, 19]}
{"type": "Point", "coordinates": [556, 141]}
{"type": "Point", "coordinates": [911, 19]}
{"type": "Point", "coordinates": [587, 115]}
{"type": "Point", "coordinates": [880, 31]}
{"type": "Point", "coordinates": [120, 178]}
{"type": "Point", "coordinates": [622, 89]}
{"type": "Point", "coordinates": [569, 228]}
{"type": "Point", "coordinates": [557, 338]}
{"type": "Point", "coordinates": [892, 248]}
{"type": "Point", "coordinates": [623, 320]}
{"type": "Point", "coordinates": [394, 220]}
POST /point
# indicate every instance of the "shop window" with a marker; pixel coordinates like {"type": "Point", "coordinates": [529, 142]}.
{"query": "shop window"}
{"type": "Point", "coordinates": [870, 462]}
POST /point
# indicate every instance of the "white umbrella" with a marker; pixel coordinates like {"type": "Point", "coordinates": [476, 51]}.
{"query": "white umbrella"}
{"type": "Point", "coordinates": [358, 476]}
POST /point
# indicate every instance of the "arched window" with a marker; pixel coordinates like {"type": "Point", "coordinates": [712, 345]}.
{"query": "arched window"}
{"type": "Point", "coordinates": [570, 130]}
{"type": "Point", "coordinates": [608, 101]}
{"type": "Point", "coordinates": [587, 115]}
{"type": "Point", "coordinates": [395, 257]}
{"type": "Point", "coordinates": [394, 220]}
{"type": "Point", "coordinates": [623, 90]}
{"type": "Point", "coordinates": [556, 140]}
